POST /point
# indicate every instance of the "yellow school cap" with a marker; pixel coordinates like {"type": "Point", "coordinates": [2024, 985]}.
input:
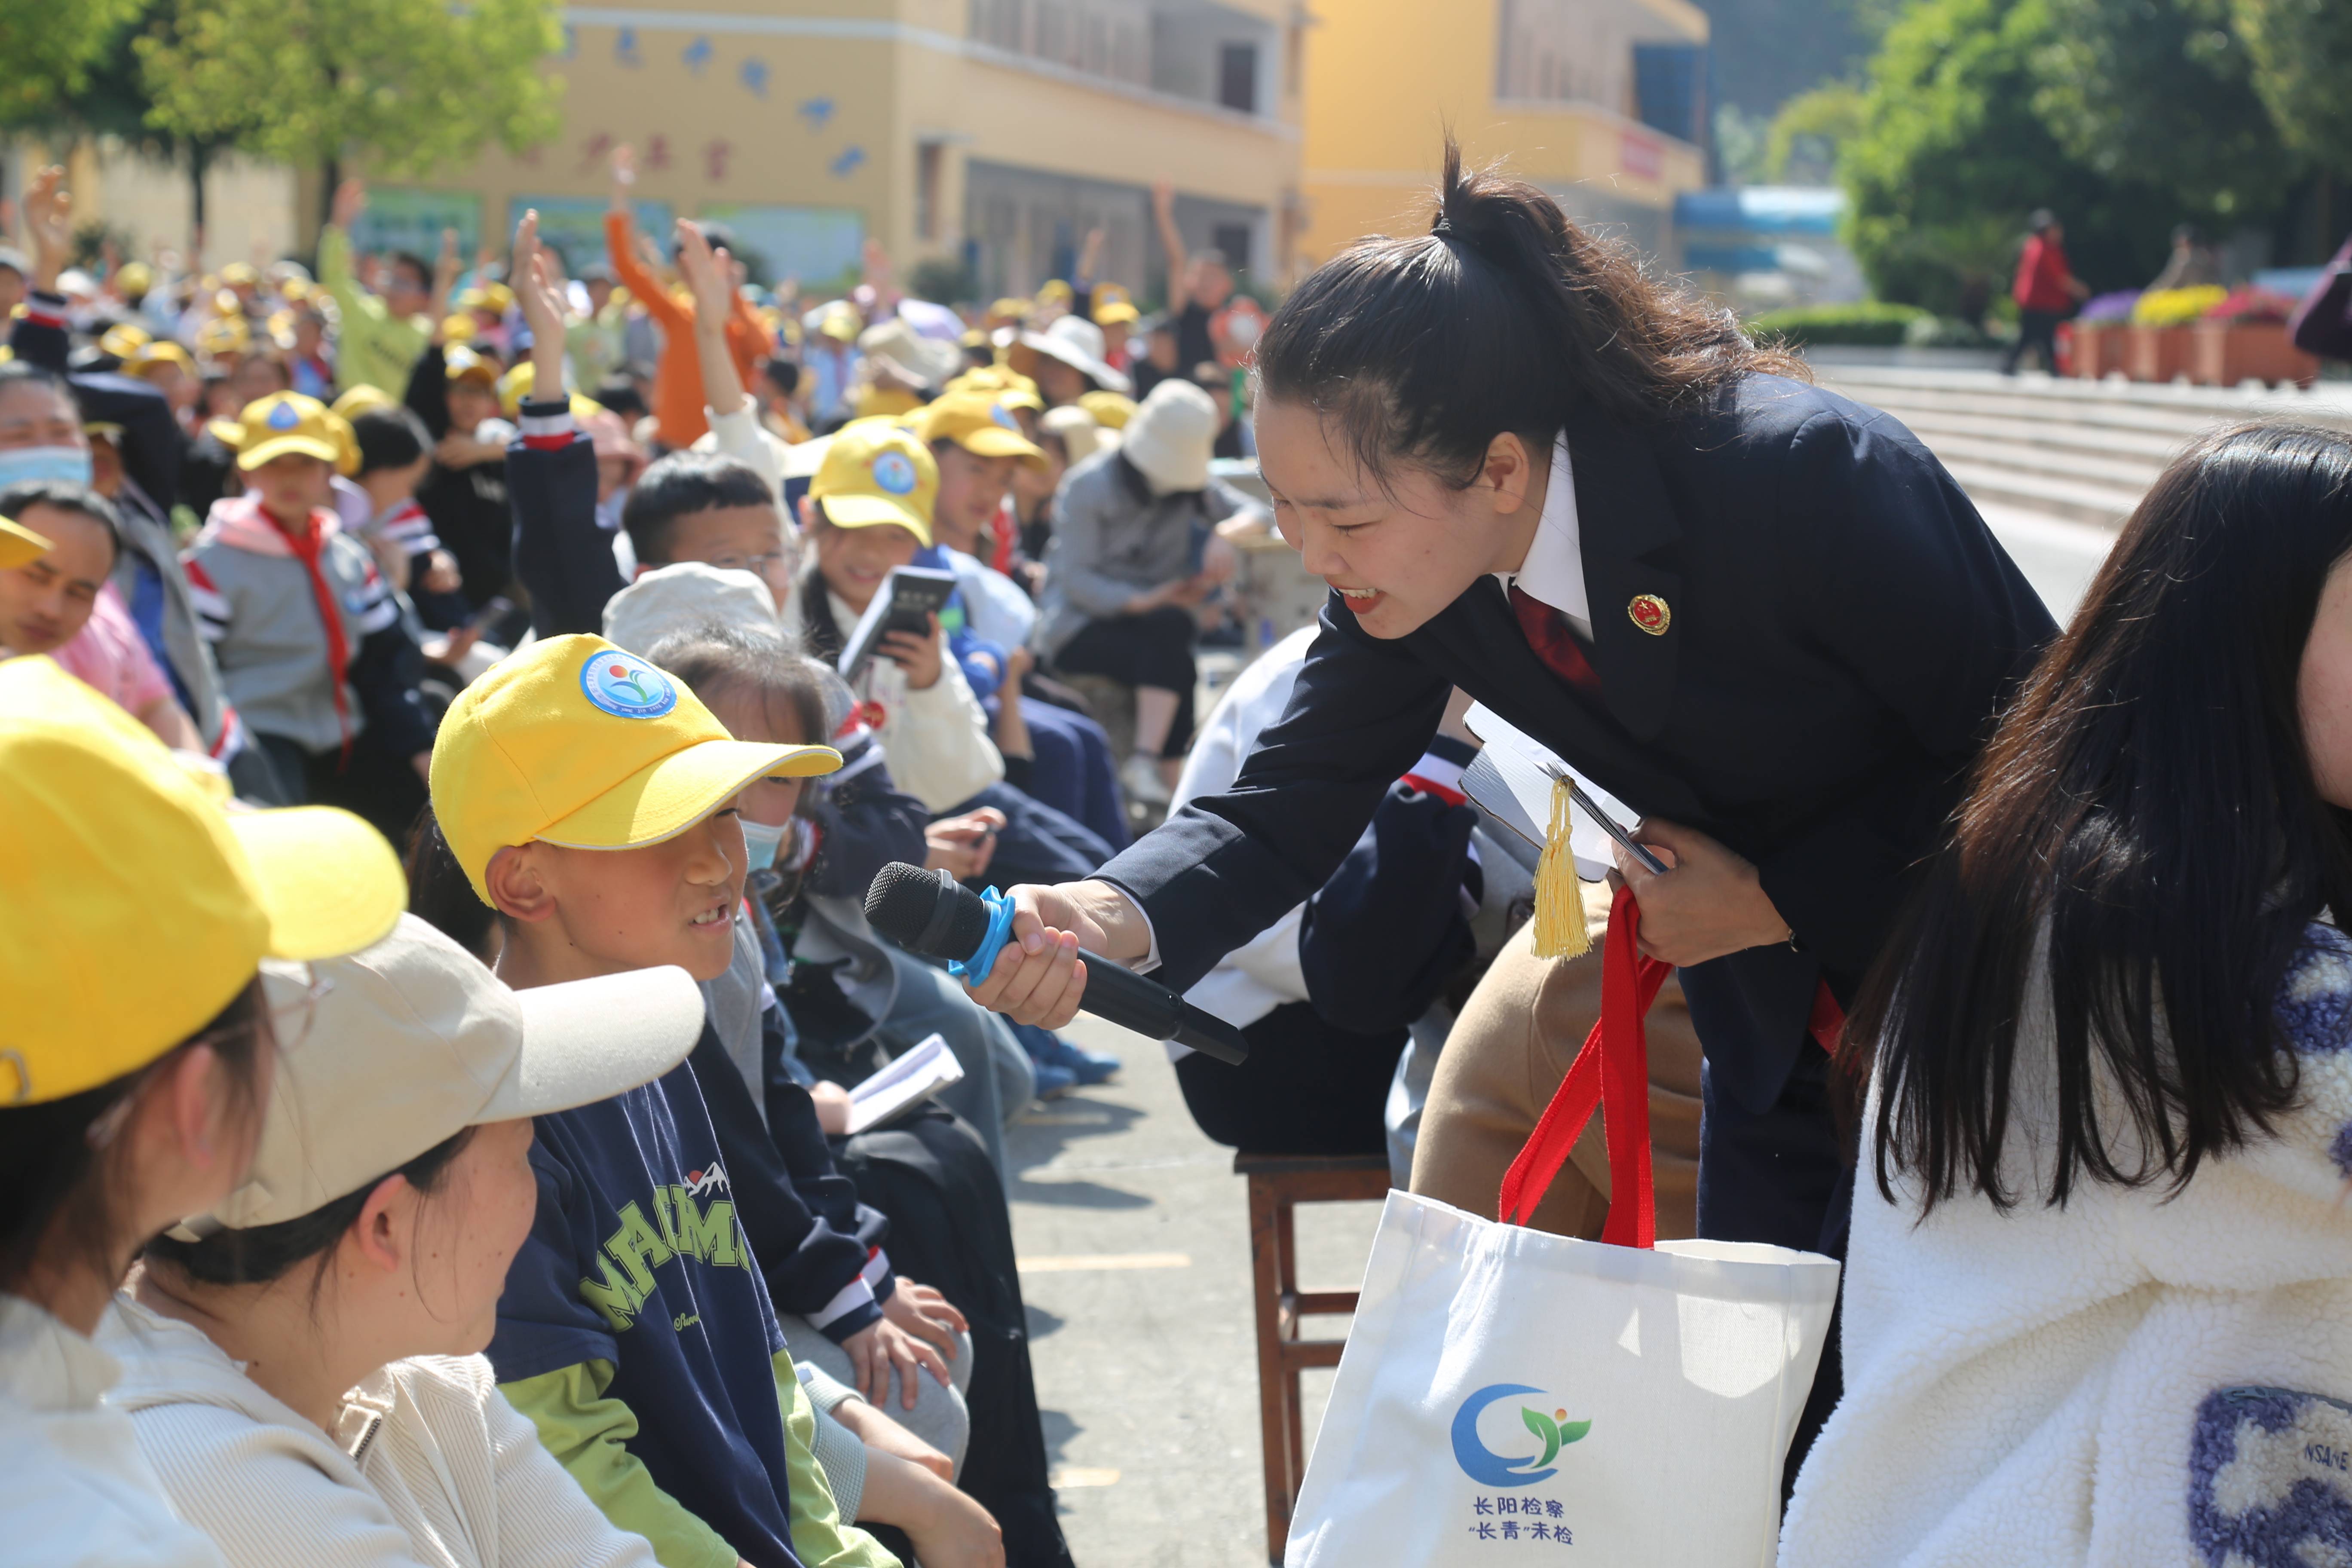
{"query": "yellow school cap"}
{"type": "Point", "coordinates": [19, 545]}
{"type": "Point", "coordinates": [1111, 410]}
{"type": "Point", "coordinates": [1057, 290]}
{"type": "Point", "coordinates": [1017, 390]}
{"type": "Point", "coordinates": [518, 384]}
{"type": "Point", "coordinates": [464, 365]}
{"type": "Point", "coordinates": [363, 398]}
{"type": "Point", "coordinates": [147, 356]}
{"type": "Point", "coordinates": [138, 907]}
{"type": "Point", "coordinates": [286, 422]}
{"type": "Point", "coordinates": [576, 742]}
{"type": "Point", "coordinates": [981, 424]}
{"type": "Point", "coordinates": [238, 273]}
{"type": "Point", "coordinates": [122, 340]}
{"type": "Point", "coordinates": [1113, 303]}
{"type": "Point", "coordinates": [223, 335]}
{"type": "Point", "coordinates": [875, 472]}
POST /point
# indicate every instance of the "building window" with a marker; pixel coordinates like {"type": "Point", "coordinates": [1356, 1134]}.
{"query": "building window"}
{"type": "Point", "coordinates": [1237, 77]}
{"type": "Point", "coordinates": [1234, 240]}
{"type": "Point", "coordinates": [930, 160]}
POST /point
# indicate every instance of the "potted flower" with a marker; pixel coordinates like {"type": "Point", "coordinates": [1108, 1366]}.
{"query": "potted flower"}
{"type": "Point", "coordinates": [2099, 330]}
{"type": "Point", "coordinates": [2244, 337]}
{"type": "Point", "coordinates": [2155, 348]}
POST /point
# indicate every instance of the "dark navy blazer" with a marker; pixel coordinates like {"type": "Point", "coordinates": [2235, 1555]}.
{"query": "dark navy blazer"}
{"type": "Point", "coordinates": [1841, 630]}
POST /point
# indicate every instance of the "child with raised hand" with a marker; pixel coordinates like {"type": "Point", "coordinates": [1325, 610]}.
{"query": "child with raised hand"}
{"type": "Point", "coordinates": [135, 1089]}
{"type": "Point", "coordinates": [303, 1360]}
{"type": "Point", "coordinates": [590, 800]}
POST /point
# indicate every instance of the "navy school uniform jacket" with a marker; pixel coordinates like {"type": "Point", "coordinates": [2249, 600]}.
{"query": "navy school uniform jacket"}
{"type": "Point", "coordinates": [638, 1258]}
{"type": "Point", "coordinates": [1842, 628]}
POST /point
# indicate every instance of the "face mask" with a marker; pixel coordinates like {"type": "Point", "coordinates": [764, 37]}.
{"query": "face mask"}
{"type": "Point", "coordinates": [761, 840]}
{"type": "Point", "coordinates": [31, 465]}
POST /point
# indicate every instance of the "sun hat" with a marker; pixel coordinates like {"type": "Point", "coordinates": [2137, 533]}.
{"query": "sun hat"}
{"type": "Point", "coordinates": [1081, 435]}
{"type": "Point", "coordinates": [1078, 343]}
{"type": "Point", "coordinates": [19, 545]}
{"type": "Point", "coordinates": [581, 743]}
{"type": "Point", "coordinates": [138, 907]}
{"type": "Point", "coordinates": [981, 423]}
{"type": "Point", "coordinates": [411, 1041]}
{"type": "Point", "coordinates": [873, 472]}
{"type": "Point", "coordinates": [685, 594]}
{"type": "Point", "coordinates": [1171, 436]}
{"type": "Point", "coordinates": [925, 360]}
{"type": "Point", "coordinates": [283, 423]}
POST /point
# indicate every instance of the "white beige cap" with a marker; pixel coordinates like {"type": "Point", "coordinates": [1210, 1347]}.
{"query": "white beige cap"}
{"type": "Point", "coordinates": [413, 1040]}
{"type": "Point", "coordinates": [1171, 436]}
{"type": "Point", "coordinates": [685, 594]}
{"type": "Point", "coordinates": [1078, 343]}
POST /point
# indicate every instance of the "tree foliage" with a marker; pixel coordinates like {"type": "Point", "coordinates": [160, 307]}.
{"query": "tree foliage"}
{"type": "Point", "coordinates": [50, 46]}
{"type": "Point", "coordinates": [1950, 155]}
{"type": "Point", "coordinates": [411, 84]}
{"type": "Point", "coordinates": [2160, 92]}
{"type": "Point", "coordinates": [2302, 54]}
{"type": "Point", "coordinates": [1802, 145]}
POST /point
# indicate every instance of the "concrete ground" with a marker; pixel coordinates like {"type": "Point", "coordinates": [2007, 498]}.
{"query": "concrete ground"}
{"type": "Point", "coordinates": [1134, 1241]}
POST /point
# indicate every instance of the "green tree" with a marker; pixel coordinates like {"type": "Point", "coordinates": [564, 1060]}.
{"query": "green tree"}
{"type": "Point", "coordinates": [50, 46]}
{"type": "Point", "coordinates": [1950, 156]}
{"type": "Point", "coordinates": [2161, 92]}
{"type": "Point", "coordinates": [407, 84]}
{"type": "Point", "coordinates": [2301, 52]}
{"type": "Point", "coordinates": [1801, 147]}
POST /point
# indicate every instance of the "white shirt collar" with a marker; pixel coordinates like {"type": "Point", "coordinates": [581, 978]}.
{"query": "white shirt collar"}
{"type": "Point", "coordinates": [1553, 572]}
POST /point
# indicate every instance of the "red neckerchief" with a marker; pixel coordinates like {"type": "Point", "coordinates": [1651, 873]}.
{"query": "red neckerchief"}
{"type": "Point", "coordinates": [307, 547]}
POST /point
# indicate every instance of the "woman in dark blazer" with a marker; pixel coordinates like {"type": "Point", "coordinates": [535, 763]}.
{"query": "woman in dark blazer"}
{"type": "Point", "coordinates": [1760, 614]}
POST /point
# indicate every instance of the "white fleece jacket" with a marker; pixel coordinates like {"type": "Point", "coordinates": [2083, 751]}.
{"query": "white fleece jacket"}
{"type": "Point", "coordinates": [2129, 1381]}
{"type": "Point", "coordinates": [427, 1467]}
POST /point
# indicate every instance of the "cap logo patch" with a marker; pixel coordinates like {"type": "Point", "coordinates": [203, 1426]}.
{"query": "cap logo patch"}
{"type": "Point", "coordinates": [894, 472]}
{"type": "Point", "coordinates": [282, 416]}
{"type": "Point", "coordinates": [1003, 416]}
{"type": "Point", "coordinates": [626, 686]}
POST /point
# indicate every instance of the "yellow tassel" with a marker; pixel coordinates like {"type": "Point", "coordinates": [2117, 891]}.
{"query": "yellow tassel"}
{"type": "Point", "coordinates": [1559, 902]}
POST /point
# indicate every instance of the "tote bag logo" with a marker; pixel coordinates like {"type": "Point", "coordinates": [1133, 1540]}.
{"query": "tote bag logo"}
{"type": "Point", "coordinates": [1489, 1468]}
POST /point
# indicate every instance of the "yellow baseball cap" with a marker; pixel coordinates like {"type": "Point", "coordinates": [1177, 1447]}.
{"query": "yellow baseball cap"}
{"type": "Point", "coordinates": [875, 472]}
{"type": "Point", "coordinates": [1012, 389]}
{"type": "Point", "coordinates": [457, 329]}
{"type": "Point", "coordinates": [1111, 410]}
{"type": "Point", "coordinates": [19, 545]}
{"type": "Point", "coordinates": [519, 383]}
{"type": "Point", "coordinates": [238, 273]}
{"type": "Point", "coordinates": [147, 356]}
{"type": "Point", "coordinates": [362, 398]}
{"type": "Point", "coordinates": [122, 340]}
{"type": "Point", "coordinates": [576, 742]}
{"type": "Point", "coordinates": [1113, 303]}
{"type": "Point", "coordinates": [465, 364]}
{"type": "Point", "coordinates": [107, 964]}
{"type": "Point", "coordinates": [286, 422]}
{"type": "Point", "coordinates": [981, 424]}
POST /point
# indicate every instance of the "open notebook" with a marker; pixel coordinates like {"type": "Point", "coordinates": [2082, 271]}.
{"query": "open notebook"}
{"type": "Point", "coordinates": [1508, 783]}
{"type": "Point", "coordinates": [910, 1077]}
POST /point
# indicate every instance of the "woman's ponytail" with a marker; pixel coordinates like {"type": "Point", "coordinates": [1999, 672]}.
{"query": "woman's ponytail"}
{"type": "Point", "coordinates": [1506, 316]}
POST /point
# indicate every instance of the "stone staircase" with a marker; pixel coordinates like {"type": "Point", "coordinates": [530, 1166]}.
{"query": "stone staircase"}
{"type": "Point", "coordinates": [2082, 451]}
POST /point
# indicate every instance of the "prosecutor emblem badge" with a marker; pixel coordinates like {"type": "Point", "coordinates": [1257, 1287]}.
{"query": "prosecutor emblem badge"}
{"type": "Point", "coordinates": [1651, 614]}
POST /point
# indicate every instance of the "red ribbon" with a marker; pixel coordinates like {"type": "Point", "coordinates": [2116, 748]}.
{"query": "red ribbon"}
{"type": "Point", "coordinates": [1613, 1073]}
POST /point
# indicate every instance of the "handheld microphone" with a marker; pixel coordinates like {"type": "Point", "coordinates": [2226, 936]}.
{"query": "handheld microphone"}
{"type": "Point", "coordinates": [932, 915]}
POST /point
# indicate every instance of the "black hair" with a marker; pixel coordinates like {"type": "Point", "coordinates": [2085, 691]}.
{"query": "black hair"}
{"type": "Point", "coordinates": [2146, 809]}
{"type": "Point", "coordinates": [784, 375]}
{"type": "Point", "coordinates": [64, 1181]}
{"type": "Point", "coordinates": [439, 893]}
{"type": "Point", "coordinates": [415, 263]}
{"type": "Point", "coordinates": [718, 657]}
{"type": "Point", "coordinates": [62, 496]}
{"type": "Point", "coordinates": [389, 438]}
{"type": "Point", "coordinates": [681, 485]}
{"type": "Point", "coordinates": [264, 1252]}
{"type": "Point", "coordinates": [1504, 316]}
{"type": "Point", "coordinates": [16, 370]}
{"type": "Point", "coordinates": [620, 394]}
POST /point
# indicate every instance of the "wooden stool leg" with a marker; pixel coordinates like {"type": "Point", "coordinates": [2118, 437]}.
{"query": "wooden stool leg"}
{"type": "Point", "coordinates": [1269, 1265]}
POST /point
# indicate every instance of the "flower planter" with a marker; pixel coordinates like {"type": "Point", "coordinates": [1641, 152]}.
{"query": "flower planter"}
{"type": "Point", "coordinates": [2098, 348]}
{"type": "Point", "coordinates": [2223, 353]}
{"type": "Point", "coordinates": [2156, 354]}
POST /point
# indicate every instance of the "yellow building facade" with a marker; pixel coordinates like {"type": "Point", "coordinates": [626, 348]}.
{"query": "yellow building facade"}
{"type": "Point", "coordinates": [1600, 102]}
{"type": "Point", "coordinates": [994, 132]}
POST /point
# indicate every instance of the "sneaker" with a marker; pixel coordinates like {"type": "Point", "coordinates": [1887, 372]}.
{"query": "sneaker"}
{"type": "Point", "coordinates": [1090, 1067]}
{"type": "Point", "coordinates": [1053, 1082]}
{"type": "Point", "coordinates": [1140, 777]}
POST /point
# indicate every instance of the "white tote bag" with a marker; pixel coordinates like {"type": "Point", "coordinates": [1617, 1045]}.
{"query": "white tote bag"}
{"type": "Point", "coordinates": [1510, 1395]}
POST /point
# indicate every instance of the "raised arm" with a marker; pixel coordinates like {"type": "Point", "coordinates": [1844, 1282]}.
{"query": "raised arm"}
{"type": "Point", "coordinates": [621, 244]}
{"type": "Point", "coordinates": [710, 278]}
{"type": "Point", "coordinates": [1171, 240]}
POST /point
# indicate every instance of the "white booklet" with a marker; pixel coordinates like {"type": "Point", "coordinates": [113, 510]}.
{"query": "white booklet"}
{"type": "Point", "coordinates": [1510, 783]}
{"type": "Point", "coordinates": [909, 1080]}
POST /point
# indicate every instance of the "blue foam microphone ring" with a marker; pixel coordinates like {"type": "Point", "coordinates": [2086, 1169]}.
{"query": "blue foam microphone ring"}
{"type": "Point", "coordinates": [1000, 932]}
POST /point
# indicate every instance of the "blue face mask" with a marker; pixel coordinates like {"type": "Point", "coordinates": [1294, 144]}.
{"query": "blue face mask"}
{"type": "Point", "coordinates": [51, 465]}
{"type": "Point", "coordinates": [761, 841]}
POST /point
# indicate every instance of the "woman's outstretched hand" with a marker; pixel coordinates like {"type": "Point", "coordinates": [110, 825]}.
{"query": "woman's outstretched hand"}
{"type": "Point", "coordinates": [1038, 978]}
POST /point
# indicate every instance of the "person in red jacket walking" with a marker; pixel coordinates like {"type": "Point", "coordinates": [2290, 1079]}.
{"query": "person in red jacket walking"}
{"type": "Point", "coordinates": [2046, 293]}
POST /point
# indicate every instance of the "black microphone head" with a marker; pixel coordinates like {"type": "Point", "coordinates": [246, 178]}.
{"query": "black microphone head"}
{"type": "Point", "coordinates": [927, 913]}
